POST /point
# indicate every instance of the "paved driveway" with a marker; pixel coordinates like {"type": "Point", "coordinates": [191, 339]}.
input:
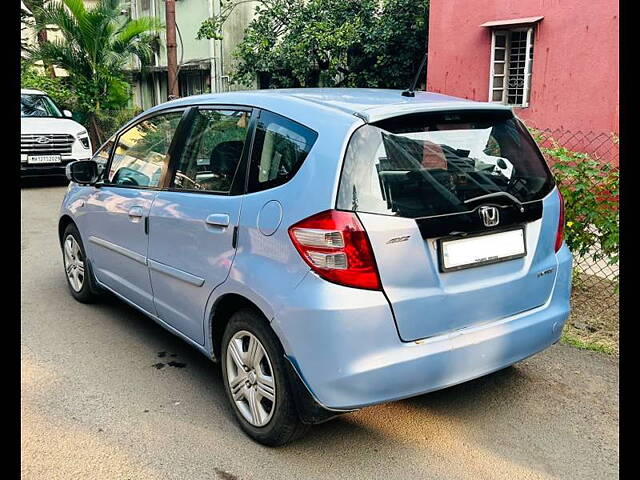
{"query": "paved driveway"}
{"type": "Point", "coordinates": [94, 406]}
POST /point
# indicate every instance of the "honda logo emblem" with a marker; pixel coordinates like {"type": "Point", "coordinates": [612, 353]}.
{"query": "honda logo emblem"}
{"type": "Point", "coordinates": [490, 216]}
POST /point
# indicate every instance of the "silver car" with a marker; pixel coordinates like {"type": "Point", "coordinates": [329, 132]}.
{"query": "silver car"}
{"type": "Point", "coordinates": [331, 248]}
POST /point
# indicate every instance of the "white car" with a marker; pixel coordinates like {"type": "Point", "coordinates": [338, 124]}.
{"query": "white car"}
{"type": "Point", "coordinates": [49, 138]}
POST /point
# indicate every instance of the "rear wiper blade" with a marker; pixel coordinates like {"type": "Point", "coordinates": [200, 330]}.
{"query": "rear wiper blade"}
{"type": "Point", "coordinates": [497, 194]}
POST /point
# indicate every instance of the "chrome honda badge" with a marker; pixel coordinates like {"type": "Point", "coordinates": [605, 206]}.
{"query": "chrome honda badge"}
{"type": "Point", "coordinates": [490, 216]}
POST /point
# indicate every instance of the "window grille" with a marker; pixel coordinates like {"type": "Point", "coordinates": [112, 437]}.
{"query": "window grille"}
{"type": "Point", "coordinates": [511, 66]}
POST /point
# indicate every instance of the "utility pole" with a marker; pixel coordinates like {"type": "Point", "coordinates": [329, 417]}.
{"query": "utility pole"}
{"type": "Point", "coordinates": [172, 55]}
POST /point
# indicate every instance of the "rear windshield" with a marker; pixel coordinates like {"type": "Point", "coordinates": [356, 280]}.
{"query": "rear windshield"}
{"type": "Point", "coordinates": [431, 164]}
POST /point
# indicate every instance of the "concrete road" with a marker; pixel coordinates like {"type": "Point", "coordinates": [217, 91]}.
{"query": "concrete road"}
{"type": "Point", "coordinates": [95, 407]}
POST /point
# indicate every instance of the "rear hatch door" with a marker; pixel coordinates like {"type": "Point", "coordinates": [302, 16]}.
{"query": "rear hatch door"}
{"type": "Point", "coordinates": [461, 214]}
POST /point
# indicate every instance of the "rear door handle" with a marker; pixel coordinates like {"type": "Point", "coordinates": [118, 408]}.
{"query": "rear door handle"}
{"type": "Point", "coordinates": [218, 220]}
{"type": "Point", "coordinates": [135, 214]}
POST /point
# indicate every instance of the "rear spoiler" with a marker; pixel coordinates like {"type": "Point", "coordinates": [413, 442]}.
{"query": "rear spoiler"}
{"type": "Point", "coordinates": [384, 112]}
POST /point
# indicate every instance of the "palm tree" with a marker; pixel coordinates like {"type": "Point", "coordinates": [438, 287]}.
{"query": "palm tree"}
{"type": "Point", "coordinates": [96, 46]}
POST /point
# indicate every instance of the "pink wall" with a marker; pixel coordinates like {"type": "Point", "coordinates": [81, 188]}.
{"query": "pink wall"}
{"type": "Point", "coordinates": [575, 66]}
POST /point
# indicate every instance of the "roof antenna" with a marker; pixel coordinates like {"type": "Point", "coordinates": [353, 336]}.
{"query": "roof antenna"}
{"type": "Point", "coordinates": [411, 92]}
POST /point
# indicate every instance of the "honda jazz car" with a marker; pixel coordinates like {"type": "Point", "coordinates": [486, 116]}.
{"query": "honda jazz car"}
{"type": "Point", "coordinates": [331, 248]}
{"type": "Point", "coordinates": [49, 138]}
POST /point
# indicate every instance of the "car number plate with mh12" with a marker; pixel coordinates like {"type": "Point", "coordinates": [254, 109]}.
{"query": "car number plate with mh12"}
{"type": "Point", "coordinates": [477, 250]}
{"type": "Point", "coordinates": [44, 159]}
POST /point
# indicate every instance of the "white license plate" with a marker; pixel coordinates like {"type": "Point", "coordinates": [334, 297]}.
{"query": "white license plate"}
{"type": "Point", "coordinates": [44, 159]}
{"type": "Point", "coordinates": [480, 250]}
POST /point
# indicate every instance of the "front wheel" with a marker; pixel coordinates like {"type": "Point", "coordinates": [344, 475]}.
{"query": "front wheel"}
{"type": "Point", "coordinates": [77, 270]}
{"type": "Point", "coordinates": [256, 381]}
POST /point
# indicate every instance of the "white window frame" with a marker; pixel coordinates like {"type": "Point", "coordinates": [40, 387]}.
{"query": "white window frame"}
{"type": "Point", "coordinates": [527, 66]}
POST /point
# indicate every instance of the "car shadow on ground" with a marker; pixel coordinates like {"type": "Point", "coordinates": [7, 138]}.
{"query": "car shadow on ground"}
{"type": "Point", "coordinates": [146, 331]}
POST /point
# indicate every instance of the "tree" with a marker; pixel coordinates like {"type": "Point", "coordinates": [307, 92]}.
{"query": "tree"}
{"type": "Point", "coordinates": [309, 43]}
{"type": "Point", "coordinates": [95, 48]}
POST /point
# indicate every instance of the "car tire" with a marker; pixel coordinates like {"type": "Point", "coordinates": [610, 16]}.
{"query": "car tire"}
{"type": "Point", "coordinates": [280, 417]}
{"type": "Point", "coordinates": [77, 269]}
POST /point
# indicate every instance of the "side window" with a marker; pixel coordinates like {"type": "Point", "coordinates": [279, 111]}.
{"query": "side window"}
{"type": "Point", "coordinates": [212, 151]}
{"type": "Point", "coordinates": [140, 158]}
{"type": "Point", "coordinates": [101, 157]}
{"type": "Point", "coordinates": [280, 147]}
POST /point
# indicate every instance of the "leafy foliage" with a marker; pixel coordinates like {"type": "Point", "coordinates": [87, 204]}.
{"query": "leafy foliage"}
{"type": "Point", "coordinates": [57, 88]}
{"type": "Point", "coordinates": [310, 43]}
{"type": "Point", "coordinates": [30, 19]}
{"type": "Point", "coordinates": [590, 188]}
{"type": "Point", "coordinates": [96, 45]}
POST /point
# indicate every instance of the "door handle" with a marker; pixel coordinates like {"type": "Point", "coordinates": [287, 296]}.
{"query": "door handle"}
{"type": "Point", "coordinates": [218, 220]}
{"type": "Point", "coordinates": [135, 214]}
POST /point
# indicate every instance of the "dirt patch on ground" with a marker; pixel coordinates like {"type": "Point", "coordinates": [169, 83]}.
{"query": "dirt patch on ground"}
{"type": "Point", "coordinates": [594, 320]}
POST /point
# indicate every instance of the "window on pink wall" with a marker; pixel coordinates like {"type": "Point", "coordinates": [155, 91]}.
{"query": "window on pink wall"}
{"type": "Point", "coordinates": [511, 66]}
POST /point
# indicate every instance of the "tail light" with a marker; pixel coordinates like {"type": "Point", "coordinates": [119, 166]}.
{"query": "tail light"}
{"type": "Point", "coordinates": [336, 247]}
{"type": "Point", "coordinates": [560, 232]}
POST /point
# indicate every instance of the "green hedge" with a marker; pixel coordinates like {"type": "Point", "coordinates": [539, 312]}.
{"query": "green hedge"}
{"type": "Point", "coordinates": [590, 187]}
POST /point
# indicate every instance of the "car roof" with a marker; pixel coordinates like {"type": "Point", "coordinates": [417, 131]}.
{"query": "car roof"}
{"type": "Point", "coordinates": [372, 104]}
{"type": "Point", "coordinates": [368, 104]}
{"type": "Point", "coordinates": [31, 92]}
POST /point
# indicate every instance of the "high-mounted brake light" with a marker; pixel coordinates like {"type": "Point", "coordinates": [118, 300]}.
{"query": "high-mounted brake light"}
{"type": "Point", "coordinates": [336, 247]}
{"type": "Point", "coordinates": [560, 232]}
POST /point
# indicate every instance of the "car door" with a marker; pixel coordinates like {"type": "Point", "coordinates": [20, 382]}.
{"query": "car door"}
{"type": "Point", "coordinates": [192, 224]}
{"type": "Point", "coordinates": [117, 209]}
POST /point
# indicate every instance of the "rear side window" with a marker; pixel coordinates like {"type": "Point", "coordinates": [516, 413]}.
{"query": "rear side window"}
{"type": "Point", "coordinates": [213, 151]}
{"type": "Point", "coordinates": [280, 147]}
{"type": "Point", "coordinates": [434, 164]}
{"type": "Point", "coordinates": [141, 154]}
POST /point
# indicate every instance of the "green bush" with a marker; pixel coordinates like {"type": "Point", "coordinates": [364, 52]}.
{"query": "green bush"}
{"type": "Point", "coordinates": [590, 188]}
{"type": "Point", "coordinates": [57, 88]}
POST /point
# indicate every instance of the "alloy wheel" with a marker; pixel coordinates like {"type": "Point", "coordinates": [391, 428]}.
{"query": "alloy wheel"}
{"type": "Point", "coordinates": [250, 378]}
{"type": "Point", "coordinates": [73, 263]}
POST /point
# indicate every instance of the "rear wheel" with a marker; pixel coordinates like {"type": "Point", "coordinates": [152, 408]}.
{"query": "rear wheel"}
{"type": "Point", "coordinates": [76, 269]}
{"type": "Point", "coordinates": [256, 381]}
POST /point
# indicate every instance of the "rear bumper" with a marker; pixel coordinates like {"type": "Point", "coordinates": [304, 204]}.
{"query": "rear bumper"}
{"type": "Point", "coordinates": [348, 353]}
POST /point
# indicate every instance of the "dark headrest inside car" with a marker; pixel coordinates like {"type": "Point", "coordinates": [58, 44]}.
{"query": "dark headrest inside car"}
{"type": "Point", "coordinates": [225, 156]}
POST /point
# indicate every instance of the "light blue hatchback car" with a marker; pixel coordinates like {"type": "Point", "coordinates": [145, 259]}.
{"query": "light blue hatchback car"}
{"type": "Point", "coordinates": [332, 248]}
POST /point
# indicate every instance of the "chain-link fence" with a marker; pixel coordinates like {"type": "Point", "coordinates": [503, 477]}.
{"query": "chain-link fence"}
{"type": "Point", "coordinates": [586, 167]}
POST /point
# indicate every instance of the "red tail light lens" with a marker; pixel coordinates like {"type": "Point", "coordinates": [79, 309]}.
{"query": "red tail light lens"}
{"type": "Point", "coordinates": [560, 233]}
{"type": "Point", "coordinates": [336, 247]}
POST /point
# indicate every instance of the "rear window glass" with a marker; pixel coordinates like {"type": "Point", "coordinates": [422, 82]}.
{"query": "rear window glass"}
{"type": "Point", "coordinates": [431, 164]}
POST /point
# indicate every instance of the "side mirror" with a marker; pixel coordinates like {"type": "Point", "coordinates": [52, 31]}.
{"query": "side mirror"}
{"type": "Point", "coordinates": [67, 113]}
{"type": "Point", "coordinates": [82, 172]}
